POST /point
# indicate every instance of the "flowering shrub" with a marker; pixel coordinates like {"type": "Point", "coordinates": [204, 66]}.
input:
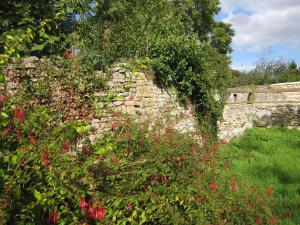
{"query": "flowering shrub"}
{"type": "Point", "coordinates": [133, 176]}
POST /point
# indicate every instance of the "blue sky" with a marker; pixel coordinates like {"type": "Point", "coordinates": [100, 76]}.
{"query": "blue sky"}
{"type": "Point", "coordinates": [268, 29]}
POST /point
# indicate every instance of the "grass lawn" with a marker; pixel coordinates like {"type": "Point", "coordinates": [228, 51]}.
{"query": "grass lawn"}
{"type": "Point", "coordinates": [270, 158]}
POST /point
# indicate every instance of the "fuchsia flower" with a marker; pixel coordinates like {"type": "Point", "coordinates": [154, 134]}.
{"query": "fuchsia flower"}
{"type": "Point", "coordinates": [113, 126]}
{"type": "Point", "coordinates": [259, 220]}
{"type": "Point", "coordinates": [85, 149]}
{"type": "Point", "coordinates": [269, 191]}
{"type": "Point", "coordinates": [6, 131]}
{"type": "Point", "coordinates": [213, 186]}
{"type": "Point", "coordinates": [233, 185]}
{"type": "Point", "coordinates": [215, 146]}
{"type": "Point", "coordinates": [45, 156]}
{"type": "Point", "coordinates": [18, 134]}
{"type": "Point", "coordinates": [31, 140]}
{"type": "Point", "coordinates": [83, 204]}
{"type": "Point", "coordinates": [154, 138]}
{"type": "Point", "coordinates": [100, 213]}
{"type": "Point", "coordinates": [164, 179]}
{"type": "Point", "coordinates": [91, 210]}
{"type": "Point", "coordinates": [193, 150]}
{"type": "Point", "coordinates": [66, 147]}
{"type": "Point", "coordinates": [19, 114]}
{"type": "Point", "coordinates": [53, 218]}
{"type": "Point", "coordinates": [179, 164]}
{"type": "Point", "coordinates": [3, 98]}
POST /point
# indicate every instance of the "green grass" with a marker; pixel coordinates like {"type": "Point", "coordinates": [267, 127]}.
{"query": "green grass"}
{"type": "Point", "coordinates": [270, 158]}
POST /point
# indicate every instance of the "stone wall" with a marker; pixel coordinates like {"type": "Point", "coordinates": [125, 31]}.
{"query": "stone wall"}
{"type": "Point", "coordinates": [132, 94]}
{"type": "Point", "coordinates": [136, 95]}
{"type": "Point", "coordinates": [263, 106]}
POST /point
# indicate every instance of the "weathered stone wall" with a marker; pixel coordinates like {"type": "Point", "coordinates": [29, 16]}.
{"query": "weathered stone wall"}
{"type": "Point", "coordinates": [132, 94]}
{"type": "Point", "coordinates": [265, 106]}
{"type": "Point", "coordinates": [136, 95]}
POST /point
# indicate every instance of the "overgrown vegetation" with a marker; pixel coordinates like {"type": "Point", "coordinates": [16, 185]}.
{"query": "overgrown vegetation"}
{"type": "Point", "coordinates": [104, 32]}
{"type": "Point", "coordinates": [133, 176]}
{"type": "Point", "coordinates": [267, 72]}
{"type": "Point", "coordinates": [269, 159]}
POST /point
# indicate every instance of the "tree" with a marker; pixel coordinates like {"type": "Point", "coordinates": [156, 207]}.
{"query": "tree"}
{"type": "Point", "coordinates": [36, 26]}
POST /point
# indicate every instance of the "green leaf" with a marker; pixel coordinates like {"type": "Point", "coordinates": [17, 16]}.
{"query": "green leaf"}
{"type": "Point", "coordinates": [37, 195]}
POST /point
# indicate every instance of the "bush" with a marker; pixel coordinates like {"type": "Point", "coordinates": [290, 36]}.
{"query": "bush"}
{"type": "Point", "coordinates": [133, 176]}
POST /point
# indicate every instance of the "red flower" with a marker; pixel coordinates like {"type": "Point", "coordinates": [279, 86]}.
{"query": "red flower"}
{"type": "Point", "coordinates": [233, 185]}
{"type": "Point", "coordinates": [45, 156]}
{"type": "Point", "coordinates": [91, 210]}
{"type": "Point", "coordinates": [6, 131]}
{"type": "Point", "coordinates": [19, 114]}
{"type": "Point", "coordinates": [85, 149]}
{"type": "Point", "coordinates": [31, 141]}
{"type": "Point", "coordinates": [85, 223]}
{"type": "Point", "coordinates": [215, 146]}
{"type": "Point", "coordinates": [18, 134]}
{"type": "Point", "coordinates": [3, 98]}
{"type": "Point", "coordinates": [22, 149]}
{"type": "Point", "coordinates": [274, 219]}
{"type": "Point", "coordinates": [250, 204]}
{"type": "Point", "coordinates": [100, 213]}
{"type": "Point", "coordinates": [55, 217]}
{"type": "Point", "coordinates": [259, 220]}
{"type": "Point", "coordinates": [154, 138]}
{"type": "Point", "coordinates": [179, 164]}
{"type": "Point", "coordinates": [193, 149]}
{"type": "Point", "coordinates": [213, 186]}
{"type": "Point", "coordinates": [83, 204]}
{"type": "Point", "coordinates": [225, 142]}
{"type": "Point", "coordinates": [113, 126]}
{"type": "Point", "coordinates": [66, 147]}
{"type": "Point", "coordinates": [269, 191]}
{"type": "Point", "coordinates": [164, 179]}
{"type": "Point", "coordinates": [129, 206]}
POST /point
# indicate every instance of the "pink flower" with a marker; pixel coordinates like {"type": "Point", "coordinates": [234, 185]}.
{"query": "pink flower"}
{"type": "Point", "coordinates": [213, 186]}
{"type": "Point", "coordinates": [129, 206]}
{"type": "Point", "coordinates": [269, 191]}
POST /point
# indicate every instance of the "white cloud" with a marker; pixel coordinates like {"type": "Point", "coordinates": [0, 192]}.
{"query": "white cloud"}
{"type": "Point", "coordinates": [268, 23]}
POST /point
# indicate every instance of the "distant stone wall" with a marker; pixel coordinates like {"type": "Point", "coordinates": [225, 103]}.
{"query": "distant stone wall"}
{"type": "Point", "coordinates": [264, 106]}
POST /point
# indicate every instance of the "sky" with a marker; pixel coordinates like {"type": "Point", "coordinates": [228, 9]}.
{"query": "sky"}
{"type": "Point", "coordinates": [264, 29]}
